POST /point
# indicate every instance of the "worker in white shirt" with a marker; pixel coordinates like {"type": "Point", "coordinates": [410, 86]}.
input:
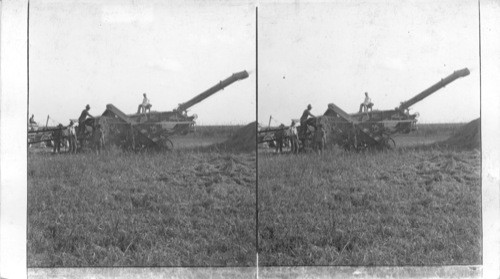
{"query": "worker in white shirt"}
{"type": "Point", "coordinates": [145, 106]}
{"type": "Point", "coordinates": [367, 104]}
{"type": "Point", "coordinates": [72, 137]}
{"type": "Point", "coordinates": [294, 138]}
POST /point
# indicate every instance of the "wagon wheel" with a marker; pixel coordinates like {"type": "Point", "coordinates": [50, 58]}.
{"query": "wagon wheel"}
{"type": "Point", "coordinates": [272, 143]}
{"type": "Point", "coordinates": [65, 143]}
{"type": "Point", "coordinates": [167, 144]}
{"type": "Point", "coordinates": [390, 143]}
{"type": "Point", "coordinates": [270, 140]}
{"type": "Point", "coordinates": [47, 140]}
{"type": "Point", "coordinates": [164, 144]}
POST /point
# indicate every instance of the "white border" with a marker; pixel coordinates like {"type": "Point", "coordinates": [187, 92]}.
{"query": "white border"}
{"type": "Point", "coordinates": [13, 129]}
{"type": "Point", "coordinates": [490, 134]}
{"type": "Point", "coordinates": [13, 119]}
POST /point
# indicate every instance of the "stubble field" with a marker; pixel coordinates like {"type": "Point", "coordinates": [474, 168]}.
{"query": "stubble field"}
{"type": "Point", "coordinates": [194, 206]}
{"type": "Point", "coordinates": [417, 205]}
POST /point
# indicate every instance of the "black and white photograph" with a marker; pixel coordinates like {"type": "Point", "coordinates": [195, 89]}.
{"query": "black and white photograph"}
{"type": "Point", "coordinates": [141, 137]}
{"type": "Point", "coordinates": [249, 139]}
{"type": "Point", "coordinates": [369, 134]}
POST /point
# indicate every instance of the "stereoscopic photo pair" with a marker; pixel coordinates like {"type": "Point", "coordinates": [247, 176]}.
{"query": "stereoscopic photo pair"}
{"type": "Point", "coordinates": [200, 134]}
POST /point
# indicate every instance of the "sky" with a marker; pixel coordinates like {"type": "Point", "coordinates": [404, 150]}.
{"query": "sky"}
{"type": "Point", "coordinates": [111, 52]}
{"type": "Point", "coordinates": [317, 53]}
{"type": "Point", "coordinates": [310, 52]}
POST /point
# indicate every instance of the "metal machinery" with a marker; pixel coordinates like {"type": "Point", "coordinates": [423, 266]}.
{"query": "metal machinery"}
{"type": "Point", "coordinates": [371, 129]}
{"type": "Point", "coordinates": [268, 135]}
{"type": "Point", "coordinates": [148, 130]}
{"type": "Point", "coordinates": [43, 135]}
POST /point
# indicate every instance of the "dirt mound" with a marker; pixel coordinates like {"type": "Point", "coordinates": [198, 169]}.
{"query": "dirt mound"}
{"type": "Point", "coordinates": [243, 140]}
{"type": "Point", "coordinates": [468, 137]}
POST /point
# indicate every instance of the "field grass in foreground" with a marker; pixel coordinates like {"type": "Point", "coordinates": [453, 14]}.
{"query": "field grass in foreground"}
{"type": "Point", "coordinates": [406, 207]}
{"type": "Point", "coordinates": [154, 209]}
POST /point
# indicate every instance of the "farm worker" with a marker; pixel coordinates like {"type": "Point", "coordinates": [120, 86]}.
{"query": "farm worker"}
{"type": "Point", "coordinates": [32, 123]}
{"type": "Point", "coordinates": [306, 114]}
{"type": "Point", "coordinates": [279, 136]}
{"type": "Point", "coordinates": [57, 136]}
{"type": "Point", "coordinates": [98, 139]}
{"type": "Point", "coordinates": [72, 137]}
{"type": "Point", "coordinates": [303, 120]}
{"type": "Point", "coordinates": [82, 118]}
{"type": "Point", "coordinates": [319, 139]}
{"type": "Point", "coordinates": [146, 105]}
{"type": "Point", "coordinates": [294, 138]}
{"type": "Point", "coordinates": [367, 104]}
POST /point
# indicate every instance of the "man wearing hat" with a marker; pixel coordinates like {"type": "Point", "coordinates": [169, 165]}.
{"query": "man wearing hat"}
{"type": "Point", "coordinates": [306, 114]}
{"type": "Point", "coordinates": [72, 137]}
{"type": "Point", "coordinates": [303, 118]}
{"type": "Point", "coordinates": [81, 119]}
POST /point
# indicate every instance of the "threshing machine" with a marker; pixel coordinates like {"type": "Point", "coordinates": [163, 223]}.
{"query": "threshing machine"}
{"type": "Point", "coordinates": [152, 129]}
{"type": "Point", "coordinates": [371, 129]}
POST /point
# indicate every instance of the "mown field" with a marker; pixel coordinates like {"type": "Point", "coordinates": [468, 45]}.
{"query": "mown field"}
{"type": "Point", "coordinates": [427, 134]}
{"type": "Point", "coordinates": [204, 136]}
{"type": "Point", "coordinates": [189, 207]}
{"type": "Point", "coordinates": [412, 206]}
{"type": "Point", "coordinates": [195, 206]}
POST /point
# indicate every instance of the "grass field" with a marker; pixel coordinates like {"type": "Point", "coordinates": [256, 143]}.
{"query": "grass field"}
{"type": "Point", "coordinates": [181, 208]}
{"type": "Point", "coordinates": [195, 206]}
{"type": "Point", "coordinates": [427, 134]}
{"type": "Point", "coordinates": [417, 206]}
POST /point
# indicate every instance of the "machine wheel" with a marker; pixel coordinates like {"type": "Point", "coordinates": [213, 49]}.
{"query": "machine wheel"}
{"type": "Point", "coordinates": [47, 140]}
{"type": "Point", "coordinates": [390, 143]}
{"type": "Point", "coordinates": [167, 144]}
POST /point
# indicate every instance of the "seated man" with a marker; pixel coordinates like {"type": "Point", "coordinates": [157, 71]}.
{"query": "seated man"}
{"type": "Point", "coordinates": [366, 105]}
{"type": "Point", "coordinates": [32, 125]}
{"type": "Point", "coordinates": [145, 106]}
